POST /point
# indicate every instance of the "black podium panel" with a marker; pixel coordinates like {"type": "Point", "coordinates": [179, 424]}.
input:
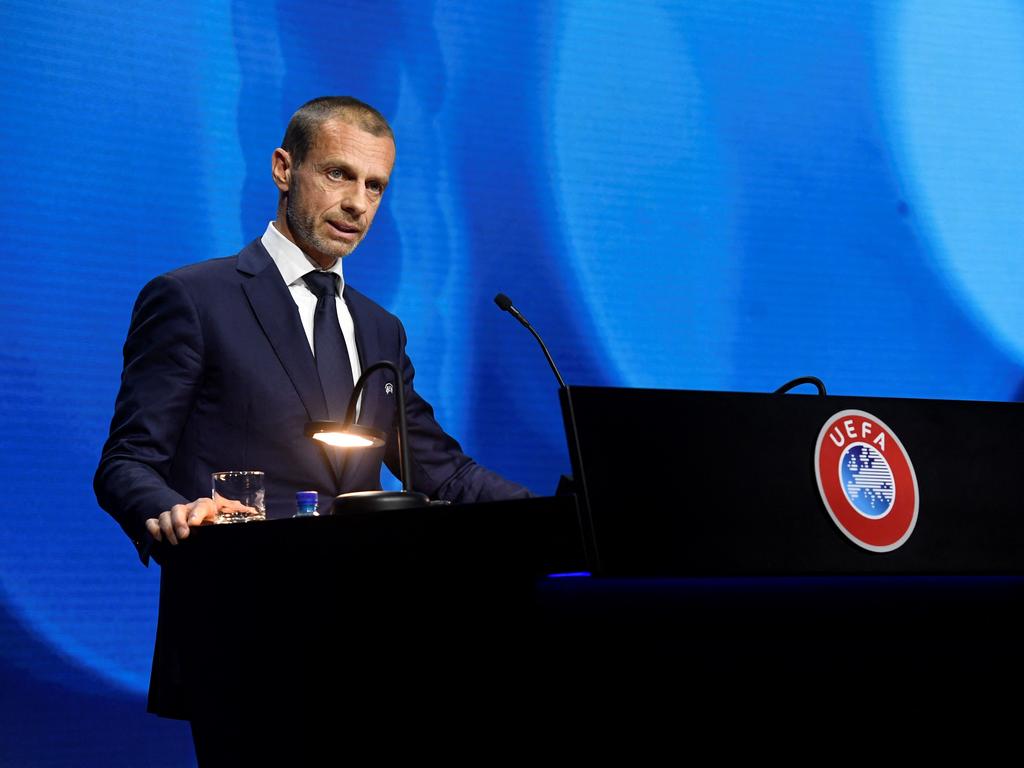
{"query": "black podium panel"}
{"type": "Point", "coordinates": [718, 483]}
{"type": "Point", "coordinates": [271, 616]}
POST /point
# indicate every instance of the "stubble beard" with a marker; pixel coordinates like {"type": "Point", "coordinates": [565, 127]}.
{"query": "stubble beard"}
{"type": "Point", "coordinates": [315, 246]}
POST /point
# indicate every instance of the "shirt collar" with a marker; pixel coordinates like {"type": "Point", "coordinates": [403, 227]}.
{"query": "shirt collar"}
{"type": "Point", "coordinates": [291, 262]}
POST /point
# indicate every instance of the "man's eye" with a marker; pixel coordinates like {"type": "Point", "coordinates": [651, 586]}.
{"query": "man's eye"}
{"type": "Point", "coordinates": [336, 173]}
{"type": "Point", "coordinates": [375, 187]}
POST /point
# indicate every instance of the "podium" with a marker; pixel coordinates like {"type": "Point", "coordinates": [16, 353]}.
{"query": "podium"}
{"type": "Point", "coordinates": [720, 564]}
{"type": "Point", "coordinates": [717, 566]}
{"type": "Point", "coordinates": [272, 616]}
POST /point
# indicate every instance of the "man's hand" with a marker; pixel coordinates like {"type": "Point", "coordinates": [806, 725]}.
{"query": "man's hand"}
{"type": "Point", "coordinates": [173, 524]}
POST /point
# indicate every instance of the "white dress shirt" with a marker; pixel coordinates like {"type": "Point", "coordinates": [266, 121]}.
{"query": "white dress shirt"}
{"type": "Point", "coordinates": [292, 263]}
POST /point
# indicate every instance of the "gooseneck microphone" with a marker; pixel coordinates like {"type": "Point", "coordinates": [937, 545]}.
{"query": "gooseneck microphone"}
{"type": "Point", "coordinates": [505, 305]}
{"type": "Point", "coordinates": [579, 485]}
{"type": "Point", "coordinates": [802, 380]}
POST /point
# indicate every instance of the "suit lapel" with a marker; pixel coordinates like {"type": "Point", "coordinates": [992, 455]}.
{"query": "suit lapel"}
{"type": "Point", "coordinates": [279, 318]}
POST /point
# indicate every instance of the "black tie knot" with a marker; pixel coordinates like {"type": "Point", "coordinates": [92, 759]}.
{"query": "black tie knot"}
{"type": "Point", "coordinates": [321, 283]}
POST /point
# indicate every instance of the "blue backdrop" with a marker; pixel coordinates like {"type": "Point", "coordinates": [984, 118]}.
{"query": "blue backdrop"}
{"type": "Point", "coordinates": [717, 195]}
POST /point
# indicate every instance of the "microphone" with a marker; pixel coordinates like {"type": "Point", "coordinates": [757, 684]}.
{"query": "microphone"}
{"type": "Point", "coordinates": [505, 305]}
{"type": "Point", "coordinates": [802, 380]}
{"type": "Point", "coordinates": [566, 485]}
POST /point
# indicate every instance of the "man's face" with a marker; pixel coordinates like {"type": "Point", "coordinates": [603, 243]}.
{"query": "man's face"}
{"type": "Point", "coordinates": [334, 195]}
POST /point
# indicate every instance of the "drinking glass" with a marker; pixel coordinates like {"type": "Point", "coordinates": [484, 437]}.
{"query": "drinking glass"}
{"type": "Point", "coordinates": [238, 495]}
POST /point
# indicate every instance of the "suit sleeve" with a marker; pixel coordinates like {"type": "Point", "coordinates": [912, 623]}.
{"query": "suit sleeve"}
{"type": "Point", "coordinates": [440, 469]}
{"type": "Point", "coordinates": [162, 368]}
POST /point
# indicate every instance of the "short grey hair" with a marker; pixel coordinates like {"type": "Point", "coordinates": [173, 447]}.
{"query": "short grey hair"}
{"type": "Point", "coordinates": [302, 128]}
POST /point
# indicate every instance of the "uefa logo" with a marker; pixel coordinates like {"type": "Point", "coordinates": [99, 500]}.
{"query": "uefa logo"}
{"type": "Point", "coordinates": [866, 480]}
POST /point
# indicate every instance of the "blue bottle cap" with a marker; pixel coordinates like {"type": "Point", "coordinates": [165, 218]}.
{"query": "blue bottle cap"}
{"type": "Point", "coordinates": [306, 497]}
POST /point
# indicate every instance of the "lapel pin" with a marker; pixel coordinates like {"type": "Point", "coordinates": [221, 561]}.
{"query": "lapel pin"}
{"type": "Point", "coordinates": [389, 388]}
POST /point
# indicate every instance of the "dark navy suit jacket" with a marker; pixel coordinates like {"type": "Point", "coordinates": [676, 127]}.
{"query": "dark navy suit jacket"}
{"type": "Point", "coordinates": [218, 375]}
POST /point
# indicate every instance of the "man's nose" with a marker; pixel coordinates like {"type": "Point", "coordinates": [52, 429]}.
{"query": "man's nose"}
{"type": "Point", "coordinates": [354, 201]}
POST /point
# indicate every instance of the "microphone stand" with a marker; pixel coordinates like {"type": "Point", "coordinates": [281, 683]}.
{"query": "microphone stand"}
{"type": "Point", "coordinates": [576, 459]}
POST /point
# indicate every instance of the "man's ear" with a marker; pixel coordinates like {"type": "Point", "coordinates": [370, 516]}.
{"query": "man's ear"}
{"type": "Point", "coordinates": [281, 169]}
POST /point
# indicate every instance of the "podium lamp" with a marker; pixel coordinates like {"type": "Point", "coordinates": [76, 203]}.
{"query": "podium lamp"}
{"type": "Point", "coordinates": [348, 434]}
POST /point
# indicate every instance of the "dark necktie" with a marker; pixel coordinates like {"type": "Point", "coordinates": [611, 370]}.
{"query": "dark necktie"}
{"type": "Point", "coordinates": [329, 344]}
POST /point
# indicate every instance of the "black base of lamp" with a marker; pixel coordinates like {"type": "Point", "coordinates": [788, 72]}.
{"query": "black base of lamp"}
{"type": "Point", "coordinates": [377, 501]}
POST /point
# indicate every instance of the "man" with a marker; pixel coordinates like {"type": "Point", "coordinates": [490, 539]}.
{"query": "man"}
{"type": "Point", "coordinates": [226, 360]}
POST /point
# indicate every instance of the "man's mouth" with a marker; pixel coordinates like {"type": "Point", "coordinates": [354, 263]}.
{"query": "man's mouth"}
{"type": "Point", "coordinates": [346, 231]}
